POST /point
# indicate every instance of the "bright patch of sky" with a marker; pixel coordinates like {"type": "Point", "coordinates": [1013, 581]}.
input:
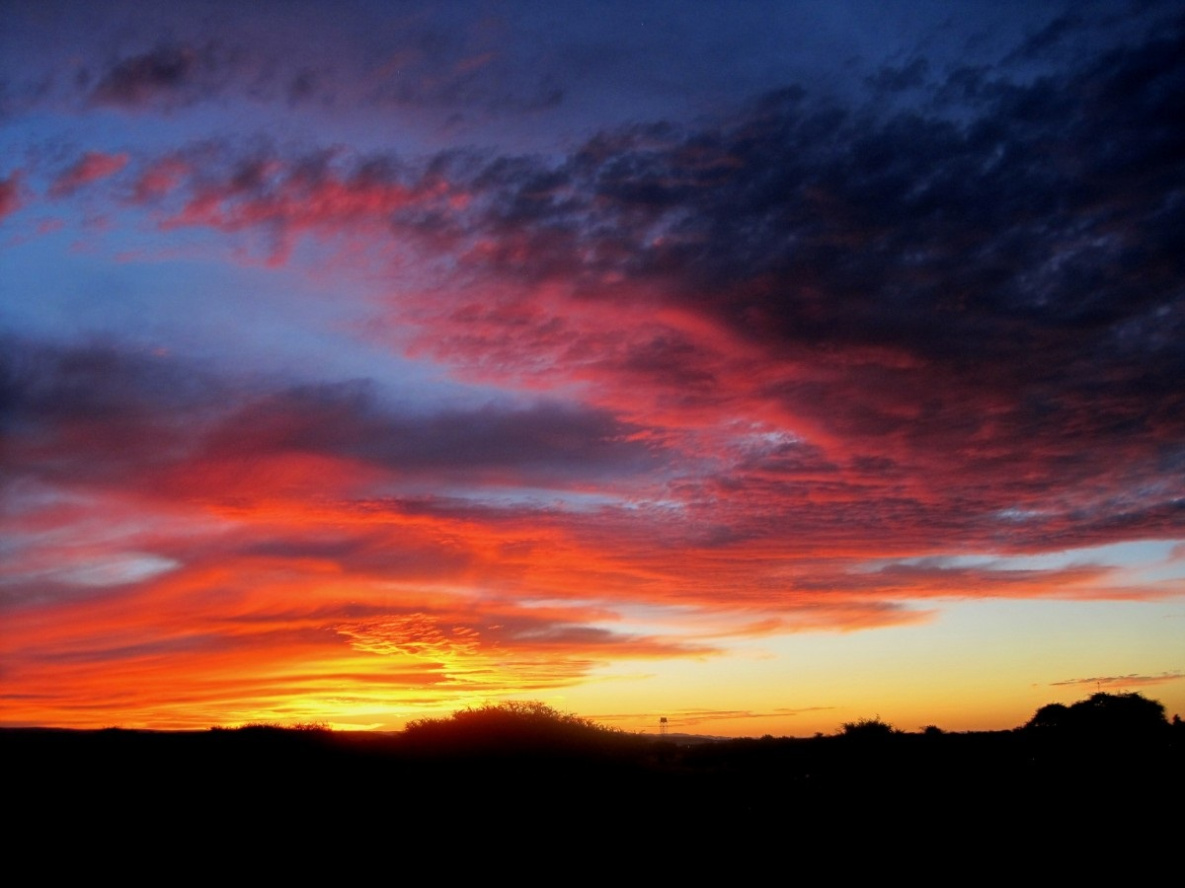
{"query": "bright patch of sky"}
{"type": "Point", "coordinates": [1155, 560]}
{"type": "Point", "coordinates": [117, 569]}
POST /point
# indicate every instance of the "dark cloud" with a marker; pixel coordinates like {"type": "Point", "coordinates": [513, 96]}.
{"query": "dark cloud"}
{"type": "Point", "coordinates": [1038, 45]}
{"type": "Point", "coordinates": [982, 295]}
{"type": "Point", "coordinates": [987, 288]}
{"type": "Point", "coordinates": [100, 412]}
{"type": "Point", "coordinates": [365, 552]}
{"type": "Point", "coordinates": [892, 79]}
{"type": "Point", "coordinates": [970, 309]}
{"type": "Point", "coordinates": [96, 411]}
{"type": "Point", "coordinates": [1045, 215]}
{"type": "Point", "coordinates": [545, 442]}
{"type": "Point", "coordinates": [413, 62]}
{"type": "Point", "coordinates": [162, 75]}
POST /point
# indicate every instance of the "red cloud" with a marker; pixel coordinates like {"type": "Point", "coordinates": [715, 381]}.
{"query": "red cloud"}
{"type": "Point", "coordinates": [161, 178]}
{"type": "Point", "coordinates": [286, 200]}
{"type": "Point", "coordinates": [10, 194]}
{"type": "Point", "coordinates": [91, 167]}
{"type": "Point", "coordinates": [270, 557]}
{"type": "Point", "coordinates": [781, 399]}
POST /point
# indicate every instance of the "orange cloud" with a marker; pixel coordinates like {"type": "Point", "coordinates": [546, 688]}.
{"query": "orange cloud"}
{"type": "Point", "coordinates": [1123, 681]}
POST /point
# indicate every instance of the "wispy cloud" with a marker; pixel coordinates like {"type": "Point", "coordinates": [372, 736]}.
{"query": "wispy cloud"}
{"type": "Point", "coordinates": [1123, 681]}
{"type": "Point", "coordinates": [91, 167]}
{"type": "Point", "coordinates": [10, 194]}
{"type": "Point", "coordinates": [767, 368]}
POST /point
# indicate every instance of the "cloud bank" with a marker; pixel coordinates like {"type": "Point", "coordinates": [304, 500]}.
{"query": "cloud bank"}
{"type": "Point", "coordinates": [767, 370]}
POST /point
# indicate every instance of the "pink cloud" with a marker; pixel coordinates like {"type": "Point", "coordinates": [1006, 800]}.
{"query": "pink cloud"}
{"type": "Point", "coordinates": [285, 200]}
{"type": "Point", "coordinates": [10, 194]}
{"type": "Point", "coordinates": [91, 167]}
{"type": "Point", "coordinates": [161, 178]}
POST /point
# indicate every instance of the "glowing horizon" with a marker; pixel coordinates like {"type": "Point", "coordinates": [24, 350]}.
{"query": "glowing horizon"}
{"type": "Point", "coordinates": [359, 366]}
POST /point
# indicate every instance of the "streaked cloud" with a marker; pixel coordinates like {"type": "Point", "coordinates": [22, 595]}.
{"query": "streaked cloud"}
{"type": "Point", "coordinates": [788, 347]}
{"type": "Point", "coordinates": [1124, 681]}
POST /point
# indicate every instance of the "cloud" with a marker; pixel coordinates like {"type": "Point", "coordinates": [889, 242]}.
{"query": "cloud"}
{"type": "Point", "coordinates": [911, 290]}
{"type": "Point", "coordinates": [317, 627]}
{"type": "Point", "coordinates": [146, 419]}
{"type": "Point", "coordinates": [10, 194]}
{"type": "Point", "coordinates": [440, 61]}
{"type": "Point", "coordinates": [90, 412]}
{"type": "Point", "coordinates": [794, 328]}
{"type": "Point", "coordinates": [839, 262]}
{"type": "Point", "coordinates": [1123, 681]}
{"type": "Point", "coordinates": [544, 443]}
{"type": "Point", "coordinates": [160, 75]}
{"type": "Point", "coordinates": [324, 485]}
{"type": "Point", "coordinates": [318, 194]}
{"type": "Point", "coordinates": [160, 178]}
{"type": "Point", "coordinates": [1038, 46]}
{"type": "Point", "coordinates": [763, 372]}
{"type": "Point", "coordinates": [92, 167]}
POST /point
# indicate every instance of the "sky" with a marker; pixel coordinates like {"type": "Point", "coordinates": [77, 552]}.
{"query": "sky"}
{"type": "Point", "coordinates": [759, 367]}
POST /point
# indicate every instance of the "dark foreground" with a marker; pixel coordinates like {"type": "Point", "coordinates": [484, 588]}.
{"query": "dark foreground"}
{"type": "Point", "coordinates": [910, 803]}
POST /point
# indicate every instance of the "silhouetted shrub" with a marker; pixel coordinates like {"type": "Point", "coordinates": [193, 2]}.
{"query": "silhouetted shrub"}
{"type": "Point", "coordinates": [510, 726]}
{"type": "Point", "coordinates": [868, 729]}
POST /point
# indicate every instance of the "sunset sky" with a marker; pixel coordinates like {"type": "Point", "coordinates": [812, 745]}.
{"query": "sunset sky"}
{"type": "Point", "coordinates": [759, 366]}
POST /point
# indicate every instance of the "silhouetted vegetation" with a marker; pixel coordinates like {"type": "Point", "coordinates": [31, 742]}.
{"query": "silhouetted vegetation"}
{"type": "Point", "coordinates": [523, 772]}
{"type": "Point", "coordinates": [1112, 715]}
{"type": "Point", "coordinates": [869, 729]}
{"type": "Point", "coordinates": [510, 726]}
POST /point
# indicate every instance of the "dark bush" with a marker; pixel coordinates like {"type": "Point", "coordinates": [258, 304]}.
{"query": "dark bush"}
{"type": "Point", "coordinates": [868, 729]}
{"type": "Point", "coordinates": [1102, 714]}
{"type": "Point", "coordinates": [513, 725]}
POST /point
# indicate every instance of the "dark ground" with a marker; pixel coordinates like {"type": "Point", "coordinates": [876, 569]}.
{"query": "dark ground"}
{"type": "Point", "coordinates": [1007, 801]}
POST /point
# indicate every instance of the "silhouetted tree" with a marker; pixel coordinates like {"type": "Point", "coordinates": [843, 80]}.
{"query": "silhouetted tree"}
{"type": "Point", "coordinates": [1102, 714]}
{"type": "Point", "coordinates": [1050, 716]}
